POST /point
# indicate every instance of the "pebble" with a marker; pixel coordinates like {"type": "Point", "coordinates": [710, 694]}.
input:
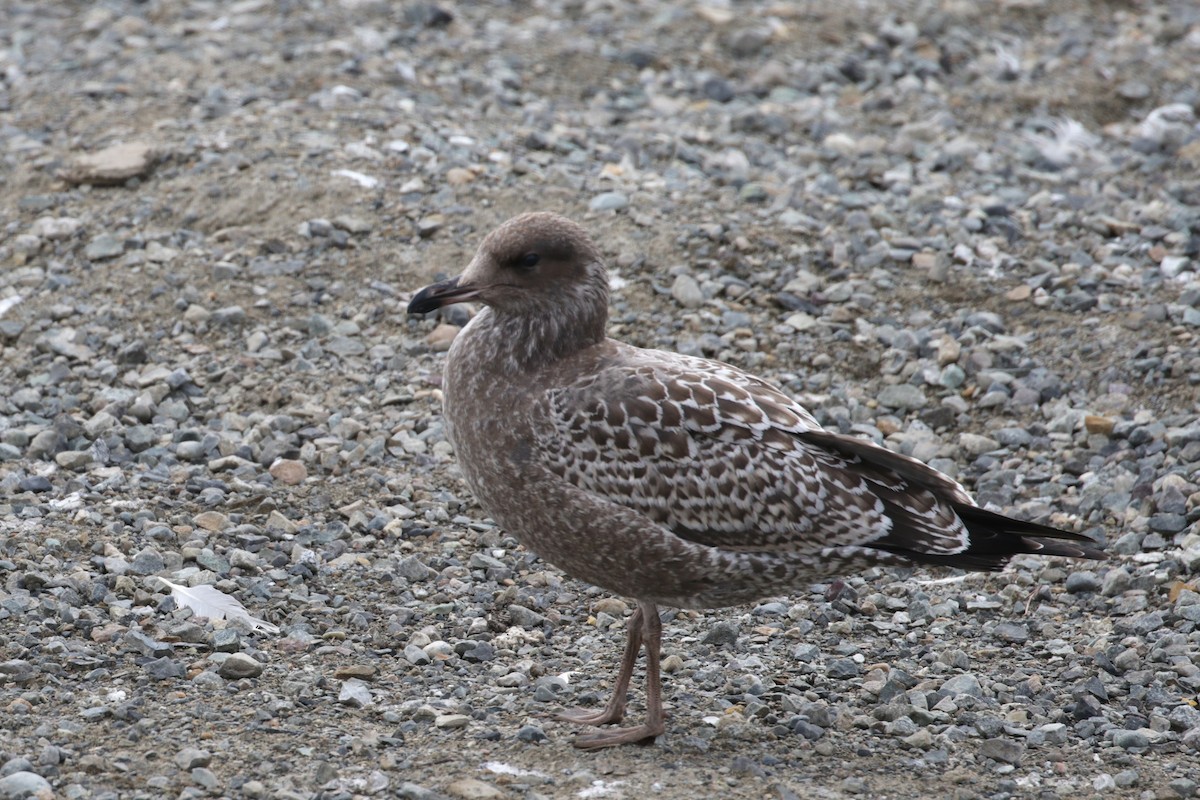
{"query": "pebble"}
{"type": "Point", "coordinates": [451, 721]}
{"type": "Point", "coordinates": [103, 247]}
{"type": "Point", "coordinates": [22, 784]}
{"type": "Point", "coordinates": [999, 749]}
{"type": "Point", "coordinates": [609, 201]}
{"type": "Point", "coordinates": [686, 291]}
{"type": "Point", "coordinates": [211, 520]}
{"type": "Point", "coordinates": [356, 694]}
{"type": "Point", "coordinates": [288, 471]}
{"type": "Point", "coordinates": [473, 789]}
{"type": "Point", "coordinates": [240, 665]}
{"type": "Point", "coordinates": [902, 396]}
{"type": "Point", "coordinates": [113, 165]}
{"type": "Point", "coordinates": [192, 757]}
{"type": "Point", "coordinates": [1082, 581]}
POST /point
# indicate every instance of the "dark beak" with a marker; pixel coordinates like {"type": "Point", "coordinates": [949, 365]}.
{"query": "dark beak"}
{"type": "Point", "coordinates": [436, 295]}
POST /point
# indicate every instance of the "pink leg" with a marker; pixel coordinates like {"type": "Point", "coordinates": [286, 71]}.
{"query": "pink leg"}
{"type": "Point", "coordinates": [614, 711]}
{"type": "Point", "coordinates": [645, 628]}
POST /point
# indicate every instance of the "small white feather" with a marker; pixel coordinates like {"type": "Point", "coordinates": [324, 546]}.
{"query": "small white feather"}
{"type": "Point", "coordinates": [211, 602]}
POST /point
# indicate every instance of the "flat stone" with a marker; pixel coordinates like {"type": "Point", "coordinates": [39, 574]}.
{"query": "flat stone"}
{"type": "Point", "coordinates": [103, 247]}
{"type": "Point", "coordinates": [355, 693]}
{"type": "Point", "coordinates": [165, 668]}
{"type": "Point", "coordinates": [55, 227]}
{"type": "Point", "coordinates": [686, 291]}
{"type": "Point", "coordinates": [999, 749]}
{"type": "Point", "coordinates": [902, 396]}
{"type": "Point", "coordinates": [112, 165]}
{"type": "Point", "coordinates": [472, 789]}
{"type": "Point", "coordinates": [211, 521]}
{"type": "Point", "coordinates": [240, 665]}
{"type": "Point", "coordinates": [609, 201]}
{"type": "Point", "coordinates": [451, 721]}
{"type": "Point", "coordinates": [1082, 581]}
{"type": "Point", "coordinates": [965, 684]}
{"type": "Point", "coordinates": [22, 784]}
{"type": "Point", "coordinates": [288, 471]}
{"type": "Point", "coordinates": [192, 757]}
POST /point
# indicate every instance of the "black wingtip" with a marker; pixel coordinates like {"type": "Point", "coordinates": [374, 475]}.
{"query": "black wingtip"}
{"type": "Point", "coordinates": [995, 538]}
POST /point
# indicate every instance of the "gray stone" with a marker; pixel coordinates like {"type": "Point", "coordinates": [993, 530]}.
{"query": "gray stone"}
{"type": "Point", "coordinates": [413, 569]}
{"type": "Point", "coordinates": [1082, 581]}
{"type": "Point", "coordinates": [192, 757]}
{"type": "Point", "coordinates": [22, 784]}
{"type": "Point", "coordinates": [965, 684]}
{"type": "Point", "coordinates": [229, 316]}
{"type": "Point", "coordinates": [165, 668]}
{"type": "Point", "coordinates": [686, 291]}
{"type": "Point", "coordinates": [609, 201]}
{"type": "Point", "coordinates": [844, 668]}
{"type": "Point", "coordinates": [1011, 632]}
{"type": "Point", "coordinates": [1000, 749]}
{"type": "Point", "coordinates": [355, 693]}
{"type": "Point", "coordinates": [1131, 740]}
{"type": "Point", "coordinates": [722, 633]}
{"type": "Point", "coordinates": [902, 396]}
{"type": "Point", "coordinates": [240, 665]}
{"type": "Point", "coordinates": [147, 561]}
{"type": "Point", "coordinates": [104, 246]}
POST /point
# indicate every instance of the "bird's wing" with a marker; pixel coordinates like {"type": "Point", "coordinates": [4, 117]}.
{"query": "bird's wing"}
{"type": "Point", "coordinates": [724, 459]}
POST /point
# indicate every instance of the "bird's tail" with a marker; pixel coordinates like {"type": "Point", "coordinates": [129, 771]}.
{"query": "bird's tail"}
{"type": "Point", "coordinates": [995, 538]}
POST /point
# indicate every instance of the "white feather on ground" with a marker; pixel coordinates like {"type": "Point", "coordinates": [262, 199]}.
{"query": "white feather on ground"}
{"type": "Point", "coordinates": [211, 602]}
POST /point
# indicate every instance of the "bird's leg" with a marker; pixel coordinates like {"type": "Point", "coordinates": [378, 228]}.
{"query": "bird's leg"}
{"type": "Point", "coordinates": [655, 724]}
{"type": "Point", "coordinates": [614, 711]}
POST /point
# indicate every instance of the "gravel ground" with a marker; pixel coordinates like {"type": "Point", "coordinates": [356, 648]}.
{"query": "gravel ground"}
{"type": "Point", "coordinates": [968, 231]}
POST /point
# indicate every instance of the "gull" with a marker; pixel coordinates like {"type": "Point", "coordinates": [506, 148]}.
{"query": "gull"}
{"type": "Point", "coordinates": [673, 480]}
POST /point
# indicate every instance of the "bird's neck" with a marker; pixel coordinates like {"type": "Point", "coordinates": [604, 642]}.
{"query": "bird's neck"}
{"type": "Point", "coordinates": [523, 340]}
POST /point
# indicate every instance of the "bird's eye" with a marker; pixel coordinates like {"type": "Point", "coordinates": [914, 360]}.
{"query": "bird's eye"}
{"type": "Point", "coordinates": [528, 261]}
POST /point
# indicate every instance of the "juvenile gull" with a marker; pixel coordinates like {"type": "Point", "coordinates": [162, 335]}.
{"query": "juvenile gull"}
{"type": "Point", "coordinates": [674, 480]}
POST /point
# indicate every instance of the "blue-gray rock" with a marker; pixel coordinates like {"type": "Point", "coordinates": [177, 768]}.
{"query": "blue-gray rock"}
{"type": "Point", "coordinates": [413, 569]}
{"type": "Point", "coordinates": [1168, 523]}
{"type": "Point", "coordinates": [227, 640]}
{"type": "Point", "coordinates": [22, 784]}
{"type": "Point", "coordinates": [355, 694]}
{"type": "Point", "coordinates": [1000, 749]}
{"type": "Point", "coordinates": [146, 645]}
{"type": "Point", "coordinates": [609, 201]}
{"type": "Point", "coordinates": [345, 346]}
{"type": "Point", "coordinates": [525, 617]}
{"type": "Point", "coordinates": [1082, 581]}
{"type": "Point", "coordinates": [104, 246]}
{"type": "Point", "coordinates": [965, 684]}
{"type": "Point", "coordinates": [416, 656]}
{"type": "Point", "coordinates": [1131, 740]}
{"type": "Point", "coordinates": [1011, 632]}
{"type": "Point", "coordinates": [531, 733]}
{"type": "Point", "coordinates": [192, 757]}
{"type": "Point", "coordinates": [844, 668]}
{"type": "Point", "coordinates": [165, 668]}
{"type": "Point", "coordinates": [902, 396]}
{"type": "Point", "coordinates": [34, 483]}
{"type": "Point", "coordinates": [229, 315]}
{"type": "Point", "coordinates": [722, 633]}
{"type": "Point", "coordinates": [147, 561]}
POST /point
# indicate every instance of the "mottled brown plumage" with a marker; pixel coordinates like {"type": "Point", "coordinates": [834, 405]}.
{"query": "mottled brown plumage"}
{"type": "Point", "coordinates": [670, 479]}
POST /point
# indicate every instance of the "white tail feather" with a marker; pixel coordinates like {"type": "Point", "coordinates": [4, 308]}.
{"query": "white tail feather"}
{"type": "Point", "coordinates": [208, 601]}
